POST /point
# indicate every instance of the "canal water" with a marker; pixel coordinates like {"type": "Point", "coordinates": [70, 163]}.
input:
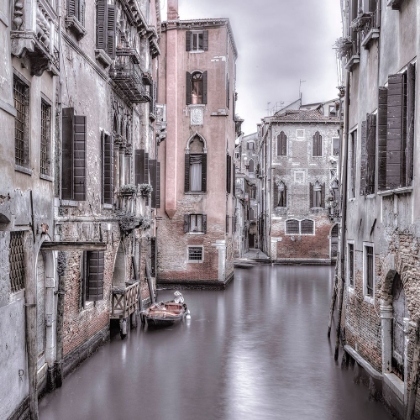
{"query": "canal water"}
{"type": "Point", "coordinates": [258, 350]}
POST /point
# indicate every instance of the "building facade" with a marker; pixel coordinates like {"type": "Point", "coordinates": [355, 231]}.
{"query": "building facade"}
{"type": "Point", "coordinates": [197, 84]}
{"type": "Point", "coordinates": [300, 146]}
{"type": "Point", "coordinates": [379, 262]}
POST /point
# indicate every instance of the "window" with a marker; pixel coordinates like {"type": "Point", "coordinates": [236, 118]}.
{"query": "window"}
{"type": "Point", "coordinates": [316, 195]}
{"type": "Point", "coordinates": [332, 110]}
{"type": "Point", "coordinates": [251, 167]}
{"type": "Point", "coordinates": [154, 168]}
{"type": "Point", "coordinates": [280, 199]}
{"type": "Point", "coordinates": [16, 262]}
{"type": "Point", "coordinates": [250, 145]}
{"type": "Point", "coordinates": [395, 160]}
{"type": "Point", "coordinates": [21, 102]}
{"type": "Point", "coordinates": [197, 41]}
{"type": "Point", "coordinates": [76, 8]}
{"type": "Point", "coordinates": [195, 223]}
{"type": "Point", "coordinates": [353, 141]}
{"type": "Point", "coordinates": [73, 186]}
{"type": "Point", "coordinates": [350, 262]}
{"type": "Point", "coordinates": [195, 172]}
{"type": "Point", "coordinates": [336, 146]}
{"type": "Point", "coordinates": [227, 223]}
{"type": "Point", "coordinates": [195, 254]}
{"type": "Point", "coordinates": [369, 270]}
{"type": "Point", "coordinates": [251, 214]}
{"type": "Point", "coordinates": [368, 156]}
{"type": "Point", "coordinates": [45, 161]}
{"type": "Point", "coordinates": [300, 227]}
{"type": "Point", "coordinates": [282, 144]}
{"type": "Point", "coordinates": [141, 167]}
{"type": "Point", "coordinates": [227, 91]}
{"type": "Point", "coordinates": [107, 169]}
{"type": "Point", "coordinates": [106, 28]}
{"type": "Point", "coordinates": [196, 88]}
{"type": "Point", "coordinates": [300, 133]}
{"type": "Point", "coordinates": [93, 275]}
{"type": "Point", "coordinates": [317, 144]}
{"type": "Point", "coordinates": [228, 174]}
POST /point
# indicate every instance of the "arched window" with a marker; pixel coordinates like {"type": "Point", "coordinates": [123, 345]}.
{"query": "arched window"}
{"type": "Point", "coordinates": [307, 227]}
{"type": "Point", "coordinates": [196, 88]}
{"type": "Point", "coordinates": [196, 166]}
{"type": "Point", "coordinates": [292, 227]}
{"type": "Point", "coordinates": [282, 195]}
{"type": "Point", "coordinates": [282, 144]}
{"type": "Point", "coordinates": [317, 144]}
{"type": "Point", "coordinates": [251, 165]}
{"type": "Point", "coordinates": [316, 195]}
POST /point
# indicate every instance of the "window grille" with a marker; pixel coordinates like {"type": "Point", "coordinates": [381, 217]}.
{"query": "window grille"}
{"type": "Point", "coordinates": [45, 138]}
{"type": "Point", "coordinates": [195, 253]}
{"type": "Point", "coordinates": [351, 265]}
{"type": "Point", "coordinates": [307, 227]}
{"type": "Point", "coordinates": [369, 271]}
{"type": "Point", "coordinates": [21, 101]}
{"type": "Point", "coordinates": [292, 227]}
{"type": "Point", "coordinates": [16, 261]}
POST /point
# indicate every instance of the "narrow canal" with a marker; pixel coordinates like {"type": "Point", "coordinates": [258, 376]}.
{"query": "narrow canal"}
{"type": "Point", "coordinates": [255, 351]}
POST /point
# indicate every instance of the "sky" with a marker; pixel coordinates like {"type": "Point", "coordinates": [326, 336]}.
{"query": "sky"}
{"type": "Point", "coordinates": [279, 42]}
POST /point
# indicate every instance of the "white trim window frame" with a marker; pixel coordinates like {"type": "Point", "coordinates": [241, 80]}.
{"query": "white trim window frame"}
{"type": "Point", "coordinates": [369, 272]}
{"type": "Point", "coordinates": [195, 254]}
{"type": "Point", "coordinates": [299, 233]}
{"type": "Point", "coordinates": [350, 265]}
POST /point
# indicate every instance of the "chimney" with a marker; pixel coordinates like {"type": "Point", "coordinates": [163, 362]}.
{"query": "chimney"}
{"type": "Point", "coordinates": [172, 10]}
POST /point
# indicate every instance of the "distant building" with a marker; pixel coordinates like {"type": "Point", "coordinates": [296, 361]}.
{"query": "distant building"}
{"type": "Point", "coordinates": [197, 82]}
{"type": "Point", "coordinates": [299, 164]}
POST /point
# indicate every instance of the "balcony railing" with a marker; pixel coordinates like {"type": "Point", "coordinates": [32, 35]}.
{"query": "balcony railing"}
{"type": "Point", "coordinates": [124, 301]}
{"type": "Point", "coordinates": [369, 27]}
{"type": "Point", "coordinates": [128, 77]}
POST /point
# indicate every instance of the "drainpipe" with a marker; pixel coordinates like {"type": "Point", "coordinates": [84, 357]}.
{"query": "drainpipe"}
{"type": "Point", "coordinates": [344, 157]}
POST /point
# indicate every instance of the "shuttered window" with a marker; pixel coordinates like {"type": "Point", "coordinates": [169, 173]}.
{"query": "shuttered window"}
{"type": "Point", "coordinates": [363, 158]}
{"type": "Point", "coordinates": [300, 227]}
{"type": "Point", "coordinates": [21, 103]}
{"type": "Point", "coordinates": [45, 161]}
{"type": "Point", "coordinates": [228, 174]}
{"type": "Point", "coordinates": [107, 169]}
{"type": "Point", "coordinates": [227, 223]}
{"type": "Point", "coordinates": [369, 270]}
{"type": "Point", "coordinates": [195, 223]}
{"type": "Point", "coordinates": [197, 41]}
{"type": "Point", "coordinates": [153, 256]}
{"type": "Point", "coordinates": [282, 144]}
{"type": "Point", "coordinates": [317, 144]}
{"type": "Point", "coordinates": [94, 262]}
{"type": "Point", "coordinates": [196, 88]}
{"type": "Point", "coordinates": [351, 265]}
{"type": "Point", "coordinates": [227, 91]}
{"type": "Point", "coordinates": [154, 169]}
{"type": "Point", "coordinates": [106, 27]}
{"type": "Point", "coordinates": [141, 167]}
{"type": "Point", "coordinates": [353, 140]}
{"type": "Point", "coordinates": [195, 172]}
{"type": "Point", "coordinates": [76, 8]}
{"type": "Point", "coordinates": [317, 195]}
{"type": "Point", "coordinates": [73, 156]}
{"type": "Point", "coordinates": [307, 227]}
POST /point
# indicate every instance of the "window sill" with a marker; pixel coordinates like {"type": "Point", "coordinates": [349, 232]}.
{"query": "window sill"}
{"type": "Point", "coordinates": [103, 58]}
{"type": "Point", "coordinates": [194, 262]}
{"type": "Point", "coordinates": [107, 206]}
{"type": "Point", "coordinates": [24, 170]}
{"type": "Point", "coordinates": [74, 25]}
{"type": "Point", "coordinates": [355, 59]}
{"type": "Point", "coordinates": [369, 299]}
{"type": "Point", "coordinates": [69, 203]}
{"type": "Point", "coordinates": [196, 51]}
{"type": "Point", "coordinates": [372, 34]}
{"type": "Point", "coordinates": [16, 296]}
{"type": "Point", "coordinates": [195, 193]}
{"type": "Point", "coordinates": [46, 178]}
{"type": "Point", "coordinates": [195, 233]}
{"type": "Point", "coordinates": [402, 190]}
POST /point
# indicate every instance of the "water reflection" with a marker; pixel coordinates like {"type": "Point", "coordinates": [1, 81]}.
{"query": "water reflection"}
{"type": "Point", "coordinates": [255, 351]}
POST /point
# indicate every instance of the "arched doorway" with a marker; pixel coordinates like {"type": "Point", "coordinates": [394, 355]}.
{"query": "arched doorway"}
{"type": "Point", "coordinates": [399, 308]}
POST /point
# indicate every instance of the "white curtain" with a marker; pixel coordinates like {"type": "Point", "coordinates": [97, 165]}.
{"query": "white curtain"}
{"type": "Point", "coordinates": [195, 173]}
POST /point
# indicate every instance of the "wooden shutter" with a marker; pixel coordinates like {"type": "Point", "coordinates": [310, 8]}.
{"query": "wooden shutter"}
{"type": "Point", "coordinates": [82, 9]}
{"type": "Point", "coordinates": [111, 31]}
{"type": "Point", "coordinates": [188, 87]}
{"type": "Point", "coordinates": [205, 87]}
{"type": "Point", "coordinates": [204, 173]}
{"type": "Point", "coordinates": [141, 162]}
{"type": "Point", "coordinates": [158, 185]}
{"type": "Point", "coordinates": [152, 171]}
{"type": "Point", "coordinates": [323, 195]}
{"type": "Point", "coordinates": [363, 159]}
{"type": "Point", "coordinates": [153, 256]}
{"type": "Point", "coordinates": [204, 223]}
{"type": "Point", "coordinates": [67, 154]}
{"type": "Point", "coordinates": [79, 158]}
{"type": "Point", "coordinates": [317, 144]}
{"type": "Point", "coordinates": [206, 40]}
{"type": "Point", "coordinates": [395, 133]}
{"type": "Point", "coordinates": [411, 90]}
{"type": "Point", "coordinates": [227, 92]}
{"type": "Point", "coordinates": [371, 154]}
{"type": "Point", "coordinates": [188, 40]}
{"type": "Point", "coordinates": [382, 136]}
{"type": "Point", "coordinates": [107, 169]}
{"type": "Point", "coordinates": [94, 275]}
{"type": "Point", "coordinates": [234, 179]}
{"type": "Point", "coordinates": [228, 174]}
{"type": "Point", "coordinates": [101, 20]}
{"type": "Point", "coordinates": [187, 173]}
{"type": "Point", "coordinates": [186, 223]}
{"type": "Point", "coordinates": [311, 195]}
{"type": "Point", "coordinates": [227, 223]}
{"type": "Point", "coordinates": [71, 8]}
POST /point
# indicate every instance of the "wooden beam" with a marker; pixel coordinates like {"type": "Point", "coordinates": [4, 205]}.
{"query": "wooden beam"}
{"type": "Point", "coordinates": [74, 246]}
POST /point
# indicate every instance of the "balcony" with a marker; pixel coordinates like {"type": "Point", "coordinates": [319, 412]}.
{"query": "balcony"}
{"type": "Point", "coordinates": [352, 57]}
{"type": "Point", "coordinates": [128, 77]}
{"type": "Point", "coordinates": [124, 301]}
{"type": "Point", "coordinates": [368, 26]}
{"type": "Point", "coordinates": [34, 38]}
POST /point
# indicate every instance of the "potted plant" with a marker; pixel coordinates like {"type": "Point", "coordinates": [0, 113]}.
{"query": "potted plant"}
{"type": "Point", "coordinates": [128, 190]}
{"type": "Point", "coordinates": [145, 189]}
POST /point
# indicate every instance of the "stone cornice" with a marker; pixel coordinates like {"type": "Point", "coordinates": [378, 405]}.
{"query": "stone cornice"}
{"type": "Point", "coordinates": [199, 24]}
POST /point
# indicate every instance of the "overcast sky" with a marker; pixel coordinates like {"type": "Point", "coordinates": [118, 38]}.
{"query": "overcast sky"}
{"type": "Point", "coordinates": [279, 43]}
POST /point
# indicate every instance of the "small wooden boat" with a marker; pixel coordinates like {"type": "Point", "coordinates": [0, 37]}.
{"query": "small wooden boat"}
{"type": "Point", "coordinates": [243, 263]}
{"type": "Point", "coordinates": [165, 314]}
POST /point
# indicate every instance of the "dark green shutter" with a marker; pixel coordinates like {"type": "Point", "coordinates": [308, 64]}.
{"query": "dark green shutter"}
{"type": "Point", "coordinates": [95, 275]}
{"type": "Point", "coordinates": [204, 223]}
{"type": "Point", "coordinates": [395, 134]}
{"type": "Point", "coordinates": [79, 158]}
{"type": "Point", "coordinates": [371, 154]}
{"type": "Point", "coordinates": [187, 173]}
{"type": "Point", "coordinates": [205, 87]}
{"type": "Point", "coordinates": [186, 223]}
{"type": "Point", "coordinates": [188, 40]}
{"type": "Point", "coordinates": [323, 195]}
{"type": "Point", "coordinates": [141, 163]}
{"type": "Point", "coordinates": [107, 169]}
{"type": "Point", "coordinates": [234, 178]}
{"type": "Point", "coordinates": [71, 8]}
{"type": "Point", "coordinates": [204, 173]}
{"type": "Point", "coordinates": [152, 171]}
{"type": "Point", "coordinates": [111, 31]}
{"type": "Point", "coordinates": [158, 185]}
{"type": "Point", "coordinates": [228, 174]}
{"type": "Point", "coordinates": [311, 195]}
{"type": "Point", "coordinates": [101, 21]}
{"type": "Point", "coordinates": [188, 89]}
{"type": "Point", "coordinates": [411, 90]}
{"type": "Point", "coordinates": [275, 194]}
{"type": "Point", "coordinates": [382, 135]}
{"type": "Point", "coordinates": [363, 159]}
{"type": "Point", "coordinates": [206, 40]}
{"type": "Point", "coordinates": [67, 154]}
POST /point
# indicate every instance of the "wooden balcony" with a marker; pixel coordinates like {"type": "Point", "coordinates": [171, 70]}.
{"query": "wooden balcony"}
{"type": "Point", "coordinates": [124, 301]}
